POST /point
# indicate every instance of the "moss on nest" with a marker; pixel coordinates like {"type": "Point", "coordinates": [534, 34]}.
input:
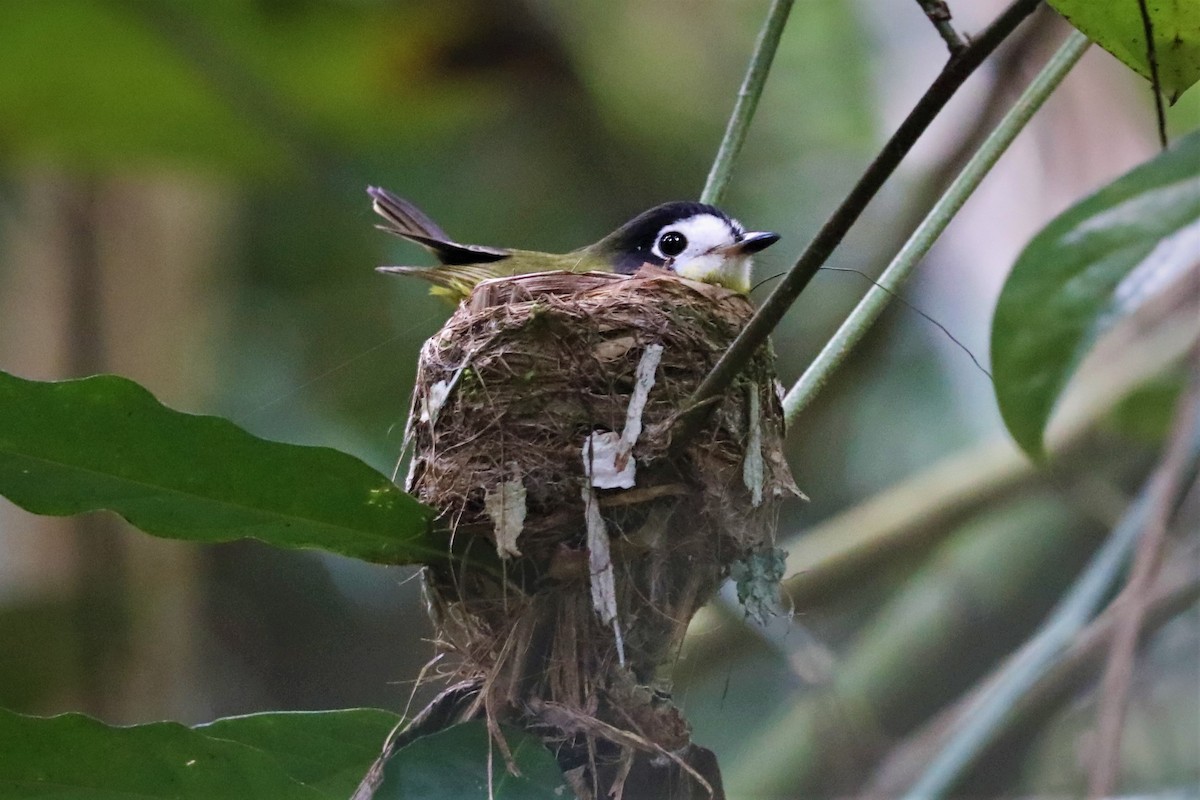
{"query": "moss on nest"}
{"type": "Point", "coordinates": [507, 394]}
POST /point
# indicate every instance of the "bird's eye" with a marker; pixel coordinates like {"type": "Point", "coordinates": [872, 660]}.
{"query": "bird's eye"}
{"type": "Point", "coordinates": [672, 243]}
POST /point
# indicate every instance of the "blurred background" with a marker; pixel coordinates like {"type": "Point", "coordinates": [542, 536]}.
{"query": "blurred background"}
{"type": "Point", "coordinates": [182, 202]}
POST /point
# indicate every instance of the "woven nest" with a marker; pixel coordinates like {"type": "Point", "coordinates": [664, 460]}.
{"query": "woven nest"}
{"type": "Point", "coordinates": [597, 537]}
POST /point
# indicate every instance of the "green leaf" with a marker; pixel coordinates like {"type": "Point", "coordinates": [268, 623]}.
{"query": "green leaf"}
{"type": "Point", "coordinates": [327, 750]}
{"type": "Point", "coordinates": [106, 443]}
{"type": "Point", "coordinates": [1117, 27]}
{"type": "Point", "coordinates": [454, 763]}
{"type": "Point", "coordinates": [73, 756]}
{"type": "Point", "coordinates": [1090, 267]}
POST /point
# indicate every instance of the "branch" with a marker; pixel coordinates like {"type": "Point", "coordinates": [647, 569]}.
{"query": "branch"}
{"type": "Point", "coordinates": [1131, 603]}
{"type": "Point", "coordinates": [1175, 592]}
{"type": "Point", "coordinates": [846, 549]}
{"type": "Point", "coordinates": [939, 14]}
{"type": "Point", "coordinates": [988, 714]}
{"type": "Point", "coordinates": [868, 310]}
{"type": "Point", "coordinates": [747, 101]}
{"type": "Point", "coordinates": [755, 334]}
{"type": "Point", "coordinates": [845, 552]}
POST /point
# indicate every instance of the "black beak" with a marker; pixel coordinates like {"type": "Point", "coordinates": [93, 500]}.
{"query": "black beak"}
{"type": "Point", "coordinates": [755, 242]}
{"type": "Point", "coordinates": [751, 243]}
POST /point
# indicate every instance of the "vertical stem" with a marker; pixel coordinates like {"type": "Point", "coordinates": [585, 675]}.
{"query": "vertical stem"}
{"type": "Point", "coordinates": [987, 715]}
{"type": "Point", "coordinates": [1131, 604]}
{"type": "Point", "coordinates": [868, 310]}
{"type": "Point", "coordinates": [747, 101]}
{"type": "Point", "coordinates": [769, 314]}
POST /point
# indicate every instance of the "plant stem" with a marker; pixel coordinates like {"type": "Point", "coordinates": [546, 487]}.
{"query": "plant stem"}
{"type": "Point", "coordinates": [747, 101]}
{"type": "Point", "coordinates": [1134, 599]}
{"type": "Point", "coordinates": [1175, 592]}
{"type": "Point", "coordinates": [846, 549]}
{"type": "Point", "coordinates": [883, 677]}
{"type": "Point", "coordinates": [939, 14]}
{"type": "Point", "coordinates": [755, 334]}
{"type": "Point", "coordinates": [844, 552]}
{"type": "Point", "coordinates": [872, 305]}
{"type": "Point", "coordinates": [988, 715]}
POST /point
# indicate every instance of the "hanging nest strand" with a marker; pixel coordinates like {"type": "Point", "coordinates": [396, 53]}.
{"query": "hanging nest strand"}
{"type": "Point", "coordinates": [598, 538]}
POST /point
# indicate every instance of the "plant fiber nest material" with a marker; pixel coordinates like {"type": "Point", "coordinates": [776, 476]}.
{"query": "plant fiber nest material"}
{"type": "Point", "coordinates": [513, 396]}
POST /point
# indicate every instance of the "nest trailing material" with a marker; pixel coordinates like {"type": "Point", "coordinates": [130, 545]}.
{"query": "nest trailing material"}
{"type": "Point", "coordinates": [541, 426]}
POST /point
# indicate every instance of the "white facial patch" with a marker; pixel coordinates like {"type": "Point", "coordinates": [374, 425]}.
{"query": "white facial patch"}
{"type": "Point", "coordinates": [704, 234]}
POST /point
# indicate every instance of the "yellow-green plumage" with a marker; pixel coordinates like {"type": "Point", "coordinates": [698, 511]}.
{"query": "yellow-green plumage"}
{"type": "Point", "coordinates": [453, 282]}
{"type": "Point", "coordinates": [718, 252]}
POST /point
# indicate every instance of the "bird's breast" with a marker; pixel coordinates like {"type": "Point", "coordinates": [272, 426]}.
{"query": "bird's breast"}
{"type": "Point", "coordinates": [732, 273]}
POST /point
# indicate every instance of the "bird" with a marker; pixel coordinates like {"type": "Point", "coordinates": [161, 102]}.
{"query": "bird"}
{"type": "Point", "coordinates": [694, 240]}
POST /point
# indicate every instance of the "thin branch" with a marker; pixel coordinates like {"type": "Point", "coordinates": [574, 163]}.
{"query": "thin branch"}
{"type": "Point", "coordinates": [747, 101]}
{"type": "Point", "coordinates": [917, 513]}
{"type": "Point", "coordinates": [1133, 600]}
{"type": "Point", "coordinates": [1155, 84]}
{"type": "Point", "coordinates": [755, 334]}
{"type": "Point", "coordinates": [839, 554]}
{"type": "Point", "coordinates": [988, 714]}
{"type": "Point", "coordinates": [1175, 592]}
{"type": "Point", "coordinates": [939, 14]}
{"type": "Point", "coordinates": [868, 310]}
{"type": "Point", "coordinates": [842, 553]}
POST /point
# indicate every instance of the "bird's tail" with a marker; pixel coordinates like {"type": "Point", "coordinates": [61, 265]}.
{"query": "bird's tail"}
{"type": "Point", "coordinates": [452, 282]}
{"type": "Point", "coordinates": [409, 222]}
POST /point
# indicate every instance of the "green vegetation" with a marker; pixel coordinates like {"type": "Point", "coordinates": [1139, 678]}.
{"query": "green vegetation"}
{"type": "Point", "coordinates": [182, 188]}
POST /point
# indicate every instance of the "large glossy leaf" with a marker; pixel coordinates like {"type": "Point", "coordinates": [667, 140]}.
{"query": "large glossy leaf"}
{"type": "Point", "coordinates": [454, 763]}
{"type": "Point", "coordinates": [1116, 25]}
{"type": "Point", "coordinates": [269, 756]}
{"type": "Point", "coordinates": [106, 443]}
{"type": "Point", "coordinates": [1090, 267]}
{"type": "Point", "coordinates": [326, 750]}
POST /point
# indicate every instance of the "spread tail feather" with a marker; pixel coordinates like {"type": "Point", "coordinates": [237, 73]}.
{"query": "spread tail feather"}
{"type": "Point", "coordinates": [406, 220]}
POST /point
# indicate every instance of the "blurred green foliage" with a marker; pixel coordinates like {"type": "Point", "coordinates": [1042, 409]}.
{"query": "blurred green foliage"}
{"type": "Point", "coordinates": [534, 123]}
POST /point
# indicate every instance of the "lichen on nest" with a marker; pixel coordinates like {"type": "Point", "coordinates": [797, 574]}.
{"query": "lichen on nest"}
{"type": "Point", "coordinates": [518, 399]}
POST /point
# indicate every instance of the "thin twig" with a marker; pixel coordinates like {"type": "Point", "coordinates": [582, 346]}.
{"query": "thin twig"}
{"type": "Point", "coordinates": [747, 101]}
{"type": "Point", "coordinates": [939, 14]}
{"type": "Point", "coordinates": [871, 306]}
{"type": "Point", "coordinates": [755, 334]}
{"type": "Point", "coordinates": [1132, 602]}
{"type": "Point", "coordinates": [842, 553]}
{"type": "Point", "coordinates": [916, 513]}
{"type": "Point", "coordinates": [1155, 84]}
{"type": "Point", "coordinates": [1174, 592]}
{"type": "Point", "coordinates": [988, 714]}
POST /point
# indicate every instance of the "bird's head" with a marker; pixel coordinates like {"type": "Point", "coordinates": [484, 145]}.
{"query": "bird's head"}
{"type": "Point", "coordinates": [694, 240]}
